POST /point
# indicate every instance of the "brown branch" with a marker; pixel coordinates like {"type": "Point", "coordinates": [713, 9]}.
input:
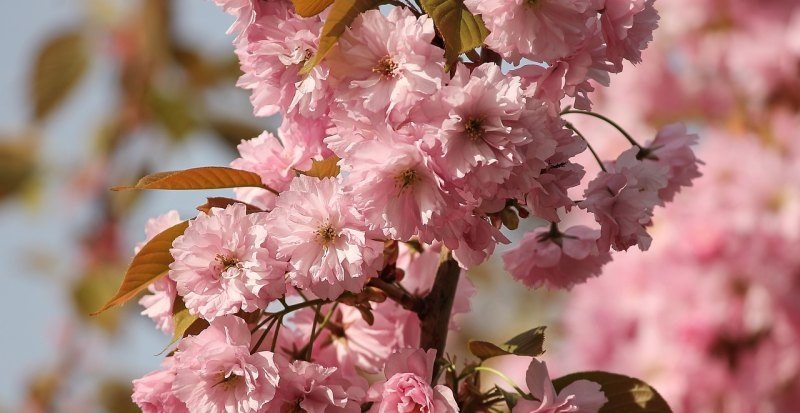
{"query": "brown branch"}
{"type": "Point", "coordinates": [437, 306]}
{"type": "Point", "coordinates": [398, 295]}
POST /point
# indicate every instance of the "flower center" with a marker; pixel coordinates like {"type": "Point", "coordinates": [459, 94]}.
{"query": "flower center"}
{"type": "Point", "coordinates": [293, 406]}
{"type": "Point", "coordinates": [227, 381]}
{"type": "Point", "coordinates": [386, 67]}
{"type": "Point", "coordinates": [326, 234]}
{"type": "Point", "coordinates": [474, 128]}
{"type": "Point", "coordinates": [227, 261]}
{"type": "Point", "coordinates": [533, 3]}
{"type": "Point", "coordinates": [407, 178]}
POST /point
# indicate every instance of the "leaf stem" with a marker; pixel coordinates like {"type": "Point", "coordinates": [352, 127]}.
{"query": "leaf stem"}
{"type": "Point", "coordinates": [596, 157]}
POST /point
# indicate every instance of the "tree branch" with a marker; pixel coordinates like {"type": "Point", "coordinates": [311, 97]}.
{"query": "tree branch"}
{"type": "Point", "coordinates": [434, 314]}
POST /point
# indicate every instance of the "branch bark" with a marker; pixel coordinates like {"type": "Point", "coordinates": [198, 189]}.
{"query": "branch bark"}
{"type": "Point", "coordinates": [436, 308]}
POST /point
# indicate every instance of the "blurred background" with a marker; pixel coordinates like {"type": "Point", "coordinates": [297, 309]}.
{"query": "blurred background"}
{"type": "Point", "coordinates": [97, 93]}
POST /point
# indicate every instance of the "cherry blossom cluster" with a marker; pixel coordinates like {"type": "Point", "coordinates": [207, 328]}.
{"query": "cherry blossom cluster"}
{"type": "Point", "coordinates": [305, 287]}
{"type": "Point", "coordinates": [710, 314]}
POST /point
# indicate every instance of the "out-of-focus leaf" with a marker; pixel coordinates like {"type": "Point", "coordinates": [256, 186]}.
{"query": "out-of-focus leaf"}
{"type": "Point", "coordinates": [115, 396]}
{"type": "Point", "coordinates": [91, 290]}
{"type": "Point", "coordinates": [485, 350]}
{"type": "Point", "coordinates": [17, 166]}
{"type": "Point", "coordinates": [625, 394]}
{"type": "Point", "coordinates": [151, 263]}
{"type": "Point", "coordinates": [326, 168]}
{"type": "Point", "coordinates": [339, 18]}
{"type": "Point", "coordinates": [529, 343]}
{"type": "Point", "coordinates": [173, 112]}
{"type": "Point", "coordinates": [460, 29]}
{"type": "Point", "coordinates": [233, 131]}
{"type": "Point", "coordinates": [308, 8]}
{"type": "Point", "coordinates": [208, 177]}
{"type": "Point", "coordinates": [58, 68]}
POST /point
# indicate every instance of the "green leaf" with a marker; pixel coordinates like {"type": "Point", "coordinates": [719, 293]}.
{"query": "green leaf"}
{"type": "Point", "coordinates": [339, 18]}
{"type": "Point", "coordinates": [184, 323]}
{"type": "Point", "coordinates": [460, 29]}
{"type": "Point", "coordinates": [326, 168]}
{"type": "Point", "coordinates": [625, 394]}
{"type": "Point", "coordinates": [151, 263]}
{"type": "Point", "coordinates": [208, 177]}
{"type": "Point", "coordinates": [308, 8]}
{"type": "Point", "coordinates": [485, 350]}
{"type": "Point", "coordinates": [58, 68]}
{"type": "Point", "coordinates": [529, 343]}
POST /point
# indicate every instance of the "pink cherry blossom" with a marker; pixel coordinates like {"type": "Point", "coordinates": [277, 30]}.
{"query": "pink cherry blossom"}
{"type": "Point", "coordinates": [407, 387]}
{"type": "Point", "coordinates": [225, 263]}
{"type": "Point", "coordinates": [386, 63]}
{"type": "Point", "coordinates": [216, 372]}
{"type": "Point", "coordinates": [277, 45]}
{"type": "Point", "coordinates": [671, 147]}
{"type": "Point", "coordinates": [153, 392]}
{"type": "Point", "coordinates": [627, 28]}
{"type": "Point", "coordinates": [276, 160]}
{"type": "Point", "coordinates": [394, 185]}
{"type": "Point", "coordinates": [556, 259]}
{"type": "Point", "coordinates": [314, 388]}
{"type": "Point", "coordinates": [581, 396]}
{"type": "Point", "coordinates": [558, 176]}
{"type": "Point", "coordinates": [542, 31]}
{"type": "Point", "coordinates": [158, 304]}
{"type": "Point", "coordinates": [324, 238]}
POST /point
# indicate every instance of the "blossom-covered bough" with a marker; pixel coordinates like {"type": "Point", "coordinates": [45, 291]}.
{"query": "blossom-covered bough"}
{"type": "Point", "coordinates": [412, 133]}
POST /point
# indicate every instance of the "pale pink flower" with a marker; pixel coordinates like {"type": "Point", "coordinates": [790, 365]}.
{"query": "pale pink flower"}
{"type": "Point", "coordinates": [407, 387]}
{"type": "Point", "coordinates": [386, 63]}
{"type": "Point", "coordinates": [672, 148]}
{"type": "Point", "coordinates": [394, 186]}
{"type": "Point", "coordinates": [153, 392]}
{"type": "Point", "coordinates": [216, 372]}
{"type": "Point", "coordinates": [313, 388]}
{"type": "Point", "coordinates": [627, 28]}
{"type": "Point", "coordinates": [541, 30]}
{"type": "Point", "coordinates": [478, 132]}
{"type": "Point", "coordinates": [556, 259]}
{"type": "Point", "coordinates": [277, 160]}
{"type": "Point", "coordinates": [277, 45]}
{"type": "Point", "coordinates": [158, 304]}
{"type": "Point", "coordinates": [242, 10]}
{"type": "Point", "coordinates": [225, 263]}
{"type": "Point", "coordinates": [558, 176]}
{"type": "Point", "coordinates": [581, 396]}
{"type": "Point", "coordinates": [352, 344]}
{"type": "Point", "coordinates": [622, 200]}
{"type": "Point", "coordinates": [324, 238]}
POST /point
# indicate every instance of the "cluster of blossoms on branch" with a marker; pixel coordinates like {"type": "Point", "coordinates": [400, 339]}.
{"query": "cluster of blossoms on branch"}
{"type": "Point", "coordinates": [394, 170]}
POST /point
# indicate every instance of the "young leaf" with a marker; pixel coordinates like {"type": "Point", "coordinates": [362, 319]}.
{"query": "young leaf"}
{"type": "Point", "coordinates": [208, 177]}
{"type": "Point", "coordinates": [485, 350]}
{"type": "Point", "coordinates": [151, 263]}
{"type": "Point", "coordinates": [339, 18]}
{"type": "Point", "coordinates": [460, 29]}
{"type": "Point", "coordinates": [625, 394]}
{"type": "Point", "coordinates": [309, 8]}
{"type": "Point", "coordinates": [529, 343]}
{"type": "Point", "coordinates": [184, 323]}
{"type": "Point", "coordinates": [325, 168]}
{"type": "Point", "coordinates": [58, 68]}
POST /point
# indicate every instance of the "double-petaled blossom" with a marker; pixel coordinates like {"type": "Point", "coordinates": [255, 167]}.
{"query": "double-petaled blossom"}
{"type": "Point", "coordinates": [581, 396]}
{"type": "Point", "coordinates": [538, 30]}
{"type": "Point", "coordinates": [556, 259]}
{"type": "Point", "coordinates": [672, 148]}
{"type": "Point", "coordinates": [225, 263]}
{"type": "Point", "coordinates": [275, 48]}
{"type": "Point", "coordinates": [407, 386]}
{"type": "Point", "coordinates": [216, 373]}
{"type": "Point", "coordinates": [153, 392]}
{"type": "Point", "coordinates": [385, 64]}
{"type": "Point", "coordinates": [314, 388]}
{"type": "Point", "coordinates": [324, 237]}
